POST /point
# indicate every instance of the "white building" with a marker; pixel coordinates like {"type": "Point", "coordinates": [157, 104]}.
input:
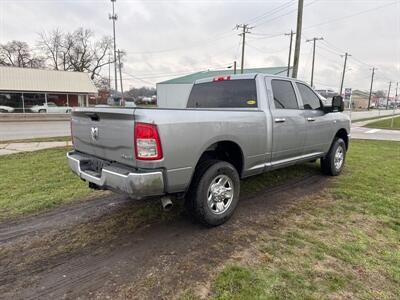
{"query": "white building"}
{"type": "Point", "coordinates": [175, 92]}
{"type": "Point", "coordinates": [21, 89]}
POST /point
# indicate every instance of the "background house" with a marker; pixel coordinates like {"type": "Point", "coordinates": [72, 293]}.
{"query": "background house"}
{"type": "Point", "coordinates": [360, 99]}
{"type": "Point", "coordinates": [23, 88]}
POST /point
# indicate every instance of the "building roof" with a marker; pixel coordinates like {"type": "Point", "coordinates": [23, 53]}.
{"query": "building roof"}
{"type": "Point", "coordinates": [191, 78]}
{"type": "Point", "coordinates": [37, 80]}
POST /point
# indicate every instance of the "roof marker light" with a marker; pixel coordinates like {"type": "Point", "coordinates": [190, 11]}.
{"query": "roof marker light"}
{"type": "Point", "coordinates": [222, 78]}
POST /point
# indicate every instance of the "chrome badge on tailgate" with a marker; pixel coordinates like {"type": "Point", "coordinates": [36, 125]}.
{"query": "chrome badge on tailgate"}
{"type": "Point", "coordinates": [94, 133]}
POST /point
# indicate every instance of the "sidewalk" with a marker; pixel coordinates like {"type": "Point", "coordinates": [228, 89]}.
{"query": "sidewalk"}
{"type": "Point", "coordinates": [29, 147]}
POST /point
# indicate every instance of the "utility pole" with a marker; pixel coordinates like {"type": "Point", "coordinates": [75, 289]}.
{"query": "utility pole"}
{"type": "Point", "coordinates": [290, 51]}
{"type": "Point", "coordinates": [370, 89]}
{"type": "Point", "coordinates": [245, 29]}
{"type": "Point", "coordinates": [114, 17]}
{"type": "Point", "coordinates": [298, 39]}
{"type": "Point", "coordinates": [109, 70]}
{"type": "Point", "coordinates": [387, 99]}
{"type": "Point", "coordinates": [394, 106]}
{"type": "Point", "coordinates": [120, 77]}
{"type": "Point", "coordinates": [344, 72]}
{"type": "Point", "coordinates": [313, 57]}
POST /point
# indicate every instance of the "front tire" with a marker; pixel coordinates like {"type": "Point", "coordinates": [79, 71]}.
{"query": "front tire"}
{"type": "Point", "coordinates": [333, 163]}
{"type": "Point", "coordinates": [214, 192]}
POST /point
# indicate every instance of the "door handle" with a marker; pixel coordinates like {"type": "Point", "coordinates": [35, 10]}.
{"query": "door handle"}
{"type": "Point", "coordinates": [310, 119]}
{"type": "Point", "coordinates": [280, 120]}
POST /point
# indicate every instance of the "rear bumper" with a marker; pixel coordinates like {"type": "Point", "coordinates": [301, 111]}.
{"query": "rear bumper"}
{"type": "Point", "coordinates": [137, 183]}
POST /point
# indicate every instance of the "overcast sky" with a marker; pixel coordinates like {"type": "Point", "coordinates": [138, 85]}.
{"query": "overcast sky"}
{"type": "Point", "coordinates": [165, 39]}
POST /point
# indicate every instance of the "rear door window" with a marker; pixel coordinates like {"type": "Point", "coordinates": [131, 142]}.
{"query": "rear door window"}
{"type": "Point", "coordinates": [284, 95]}
{"type": "Point", "coordinates": [227, 93]}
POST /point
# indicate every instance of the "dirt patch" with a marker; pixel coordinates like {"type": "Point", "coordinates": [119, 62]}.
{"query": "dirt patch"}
{"type": "Point", "coordinates": [141, 261]}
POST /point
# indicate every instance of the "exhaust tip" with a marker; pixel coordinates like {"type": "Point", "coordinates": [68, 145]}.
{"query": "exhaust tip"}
{"type": "Point", "coordinates": [166, 203]}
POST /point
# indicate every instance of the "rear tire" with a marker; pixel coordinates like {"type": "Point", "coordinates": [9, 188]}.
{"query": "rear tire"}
{"type": "Point", "coordinates": [42, 111]}
{"type": "Point", "coordinates": [333, 163]}
{"type": "Point", "coordinates": [214, 192]}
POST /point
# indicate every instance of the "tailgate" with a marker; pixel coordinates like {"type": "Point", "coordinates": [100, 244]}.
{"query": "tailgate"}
{"type": "Point", "coordinates": [106, 133]}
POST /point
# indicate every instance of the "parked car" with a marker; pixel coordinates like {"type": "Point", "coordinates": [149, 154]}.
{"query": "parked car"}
{"type": "Point", "coordinates": [234, 127]}
{"type": "Point", "coordinates": [51, 107]}
{"type": "Point", "coordinates": [6, 109]}
{"type": "Point", "coordinates": [327, 93]}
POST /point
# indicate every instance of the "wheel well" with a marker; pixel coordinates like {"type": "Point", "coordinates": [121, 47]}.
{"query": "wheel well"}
{"type": "Point", "coordinates": [342, 133]}
{"type": "Point", "coordinates": [227, 151]}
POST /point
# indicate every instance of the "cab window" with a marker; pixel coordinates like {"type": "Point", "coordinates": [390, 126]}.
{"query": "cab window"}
{"type": "Point", "coordinates": [310, 99]}
{"type": "Point", "coordinates": [284, 95]}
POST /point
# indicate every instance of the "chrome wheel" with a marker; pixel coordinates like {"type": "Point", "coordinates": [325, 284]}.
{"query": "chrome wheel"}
{"type": "Point", "coordinates": [339, 157]}
{"type": "Point", "coordinates": [220, 194]}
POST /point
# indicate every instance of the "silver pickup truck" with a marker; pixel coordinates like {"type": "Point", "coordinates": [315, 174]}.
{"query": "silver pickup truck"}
{"type": "Point", "coordinates": [233, 127]}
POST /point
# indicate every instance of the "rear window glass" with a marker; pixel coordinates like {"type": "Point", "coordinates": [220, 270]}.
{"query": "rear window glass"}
{"type": "Point", "coordinates": [227, 93]}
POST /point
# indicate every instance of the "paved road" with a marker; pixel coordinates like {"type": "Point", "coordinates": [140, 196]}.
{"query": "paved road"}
{"type": "Point", "coordinates": [27, 130]}
{"type": "Point", "coordinates": [358, 132]}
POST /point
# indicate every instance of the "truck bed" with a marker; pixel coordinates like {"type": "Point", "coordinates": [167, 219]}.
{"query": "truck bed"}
{"type": "Point", "coordinates": [184, 134]}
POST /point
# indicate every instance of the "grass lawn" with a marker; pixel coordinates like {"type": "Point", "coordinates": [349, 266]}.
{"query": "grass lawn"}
{"type": "Point", "coordinates": [341, 244]}
{"type": "Point", "coordinates": [386, 124]}
{"type": "Point", "coordinates": [372, 118]}
{"type": "Point", "coordinates": [42, 180]}
{"type": "Point", "coordinates": [35, 181]}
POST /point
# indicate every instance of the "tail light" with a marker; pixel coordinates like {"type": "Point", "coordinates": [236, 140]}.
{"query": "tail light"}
{"type": "Point", "coordinates": [147, 142]}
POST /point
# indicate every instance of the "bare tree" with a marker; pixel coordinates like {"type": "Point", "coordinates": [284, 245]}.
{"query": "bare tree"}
{"type": "Point", "coordinates": [52, 46]}
{"type": "Point", "coordinates": [76, 51]}
{"type": "Point", "coordinates": [19, 54]}
{"type": "Point", "coordinates": [380, 94]}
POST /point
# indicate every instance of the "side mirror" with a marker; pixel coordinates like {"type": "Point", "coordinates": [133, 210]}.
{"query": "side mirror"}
{"type": "Point", "coordinates": [337, 103]}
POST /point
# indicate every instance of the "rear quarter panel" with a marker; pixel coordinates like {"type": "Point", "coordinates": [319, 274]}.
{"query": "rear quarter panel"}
{"type": "Point", "coordinates": [185, 134]}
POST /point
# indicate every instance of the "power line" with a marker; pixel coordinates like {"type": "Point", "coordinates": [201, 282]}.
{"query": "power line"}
{"type": "Point", "coordinates": [349, 16]}
{"type": "Point", "coordinates": [265, 51]}
{"type": "Point", "coordinates": [266, 36]}
{"type": "Point", "coordinates": [271, 12]}
{"type": "Point", "coordinates": [202, 42]}
{"type": "Point", "coordinates": [283, 15]}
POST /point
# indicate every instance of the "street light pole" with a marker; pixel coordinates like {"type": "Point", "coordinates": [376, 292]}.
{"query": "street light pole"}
{"type": "Point", "coordinates": [114, 17]}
